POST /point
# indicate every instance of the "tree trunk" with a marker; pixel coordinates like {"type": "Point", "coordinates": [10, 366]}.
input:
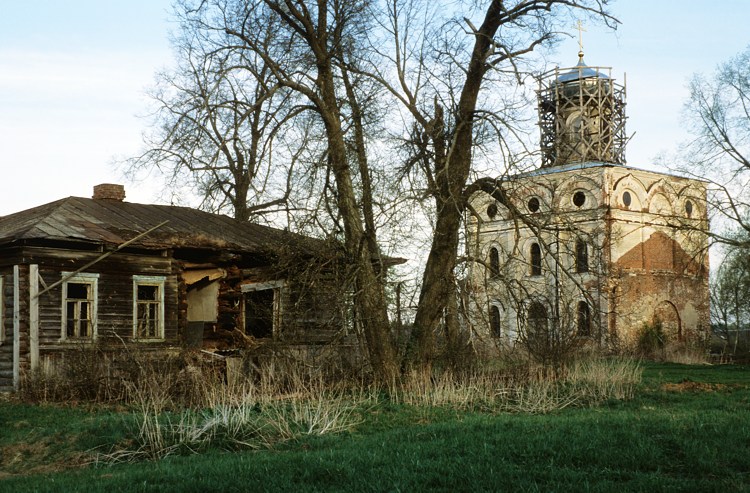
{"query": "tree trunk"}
{"type": "Point", "coordinates": [437, 285]}
{"type": "Point", "coordinates": [369, 298]}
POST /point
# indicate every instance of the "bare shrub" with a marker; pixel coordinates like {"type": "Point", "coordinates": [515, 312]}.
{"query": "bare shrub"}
{"type": "Point", "coordinates": [651, 340]}
{"type": "Point", "coordinates": [325, 413]}
{"type": "Point", "coordinates": [82, 373]}
{"type": "Point", "coordinates": [686, 354]}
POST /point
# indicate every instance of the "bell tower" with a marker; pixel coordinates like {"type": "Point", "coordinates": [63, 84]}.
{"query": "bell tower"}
{"type": "Point", "coordinates": [581, 116]}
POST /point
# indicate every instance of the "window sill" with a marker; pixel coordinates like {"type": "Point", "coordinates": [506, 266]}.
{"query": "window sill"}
{"type": "Point", "coordinates": [77, 340]}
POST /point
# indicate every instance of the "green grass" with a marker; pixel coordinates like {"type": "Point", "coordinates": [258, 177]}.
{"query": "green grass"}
{"type": "Point", "coordinates": [688, 429]}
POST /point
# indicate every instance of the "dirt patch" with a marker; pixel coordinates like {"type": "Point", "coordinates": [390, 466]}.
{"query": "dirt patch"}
{"type": "Point", "coordinates": [688, 385]}
{"type": "Point", "coordinates": [35, 458]}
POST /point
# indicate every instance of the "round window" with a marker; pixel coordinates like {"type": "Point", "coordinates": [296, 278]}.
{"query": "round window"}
{"type": "Point", "coordinates": [579, 198]}
{"type": "Point", "coordinates": [626, 199]}
{"type": "Point", "coordinates": [492, 211]}
{"type": "Point", "coordinates": [689, 208]}
{"type": "Point", "coordinates": [533, 204]}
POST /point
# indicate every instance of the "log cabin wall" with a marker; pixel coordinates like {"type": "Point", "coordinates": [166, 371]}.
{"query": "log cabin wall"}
{"type": "Point", "coordinates": [114, 306]}
{"type": "Point", "coordinates": [6, 326]}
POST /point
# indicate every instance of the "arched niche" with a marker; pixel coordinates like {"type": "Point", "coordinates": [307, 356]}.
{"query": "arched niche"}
{"type": "Point", "coordinates": [660, 197]}
{"type": "Point", "coordinates": [636, 193]}
{"type": "Point", "coordinates": [660, 204]}
{"type": "Point", "coordinates": [570, 192]}
{"type": "Point", "coordinates": [530, 197]}
{"type": "Point", "coordinates": [691, 202]}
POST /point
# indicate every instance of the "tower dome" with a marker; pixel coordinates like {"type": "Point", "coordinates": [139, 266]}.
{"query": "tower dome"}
{"type": "Point", "coordinates": [581, 116]}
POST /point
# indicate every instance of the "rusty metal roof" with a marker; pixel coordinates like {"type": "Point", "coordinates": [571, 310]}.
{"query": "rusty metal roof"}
{"type": "Point", "coordinates": [114, 222]}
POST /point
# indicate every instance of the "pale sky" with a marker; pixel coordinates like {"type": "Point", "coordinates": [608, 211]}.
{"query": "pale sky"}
{"type": "Point", "coordinates": [73, 75]}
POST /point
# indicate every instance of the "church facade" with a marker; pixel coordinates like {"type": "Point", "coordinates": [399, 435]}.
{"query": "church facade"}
{"type": "Point", "coordinates": [586, 247]}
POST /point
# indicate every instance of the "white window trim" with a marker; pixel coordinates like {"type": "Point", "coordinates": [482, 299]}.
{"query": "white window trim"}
{"type": "Point", "coordinates": [276, 286]}
{"type": "Point", "coordinates": [81, 278]}
{"type": "Point", "coordinates": [260, 286]}
{"type": "Point", "coordinates": [160, 282]}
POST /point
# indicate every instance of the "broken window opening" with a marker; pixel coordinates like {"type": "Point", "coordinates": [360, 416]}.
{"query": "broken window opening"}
{"type": "Point", "coordinates": [579, 198]}
{"type": "Point", "coordinates": [261, 308]}
{"type": "Point", "coordinates": [537, 324]}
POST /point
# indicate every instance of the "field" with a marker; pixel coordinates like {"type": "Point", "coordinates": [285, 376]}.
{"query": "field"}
{"type": "Point", "coordinates": [687, 428]}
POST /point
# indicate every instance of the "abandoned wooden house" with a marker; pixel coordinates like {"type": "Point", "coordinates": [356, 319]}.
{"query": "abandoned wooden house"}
{"type": "Point", "coordinates": [80, 271]}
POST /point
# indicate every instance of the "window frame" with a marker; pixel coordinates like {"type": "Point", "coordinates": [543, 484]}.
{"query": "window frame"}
{"type": "Point", "coordinates": [276, 288]}
{"type": "Point", "coordinates": [627, 199]}
{"type": "Point", "coordinates": [92, 280]}
{"type": "Point", "coordinates": [537, 319]}
{"type": "Point", "coordinates": [159, 282]}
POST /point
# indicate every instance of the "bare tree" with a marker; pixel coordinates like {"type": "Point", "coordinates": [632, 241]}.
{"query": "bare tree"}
{"type": "Point", "coordinates": [448, 121]}
{"type": "Point", "coordinates": [334, 62]}
{"type": "Point", "coordinates": [223, 123]}
{"type": "Point", "coordinates": [730, 290]}
{"type": "Point", "coordinates": [718, 116]}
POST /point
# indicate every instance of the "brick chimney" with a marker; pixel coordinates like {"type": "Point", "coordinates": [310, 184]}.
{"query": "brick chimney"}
{"type": "Point", "coordinates": [109, 191]}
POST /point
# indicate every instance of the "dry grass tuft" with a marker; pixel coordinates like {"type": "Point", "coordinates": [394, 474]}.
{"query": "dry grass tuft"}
{"type": "Point", "coordinates": [597, 380]}
{"type": "Point", "coordinates": [528, 389]}
{"type": "Point", "coordinates": [241, 413]}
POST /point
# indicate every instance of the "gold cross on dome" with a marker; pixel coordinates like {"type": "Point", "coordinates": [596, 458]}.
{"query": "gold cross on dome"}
{"type": "Point", "coordinates": [581, 30]}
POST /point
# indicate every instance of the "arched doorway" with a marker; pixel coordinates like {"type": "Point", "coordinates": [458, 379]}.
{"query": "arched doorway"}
{"type": "Point", "coordinates": [666, 314]}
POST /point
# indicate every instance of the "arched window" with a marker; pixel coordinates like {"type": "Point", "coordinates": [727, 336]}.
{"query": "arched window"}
{"type": "Point", "coordinates": [582, 256]}
{"type": "Point", "coordinates": [494, 262]}
{"type": "Point", "coordinates": [536, 260]}
{"type": "Point", "coordinates": [584, 319]}
{"type": "Point", "coordinates": [537, 320]}
{"type": "Point", "coordinates": [495, 328]}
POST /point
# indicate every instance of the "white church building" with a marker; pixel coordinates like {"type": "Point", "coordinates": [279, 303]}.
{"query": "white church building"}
{"type": "Point", "coordinates": [586, 246]}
